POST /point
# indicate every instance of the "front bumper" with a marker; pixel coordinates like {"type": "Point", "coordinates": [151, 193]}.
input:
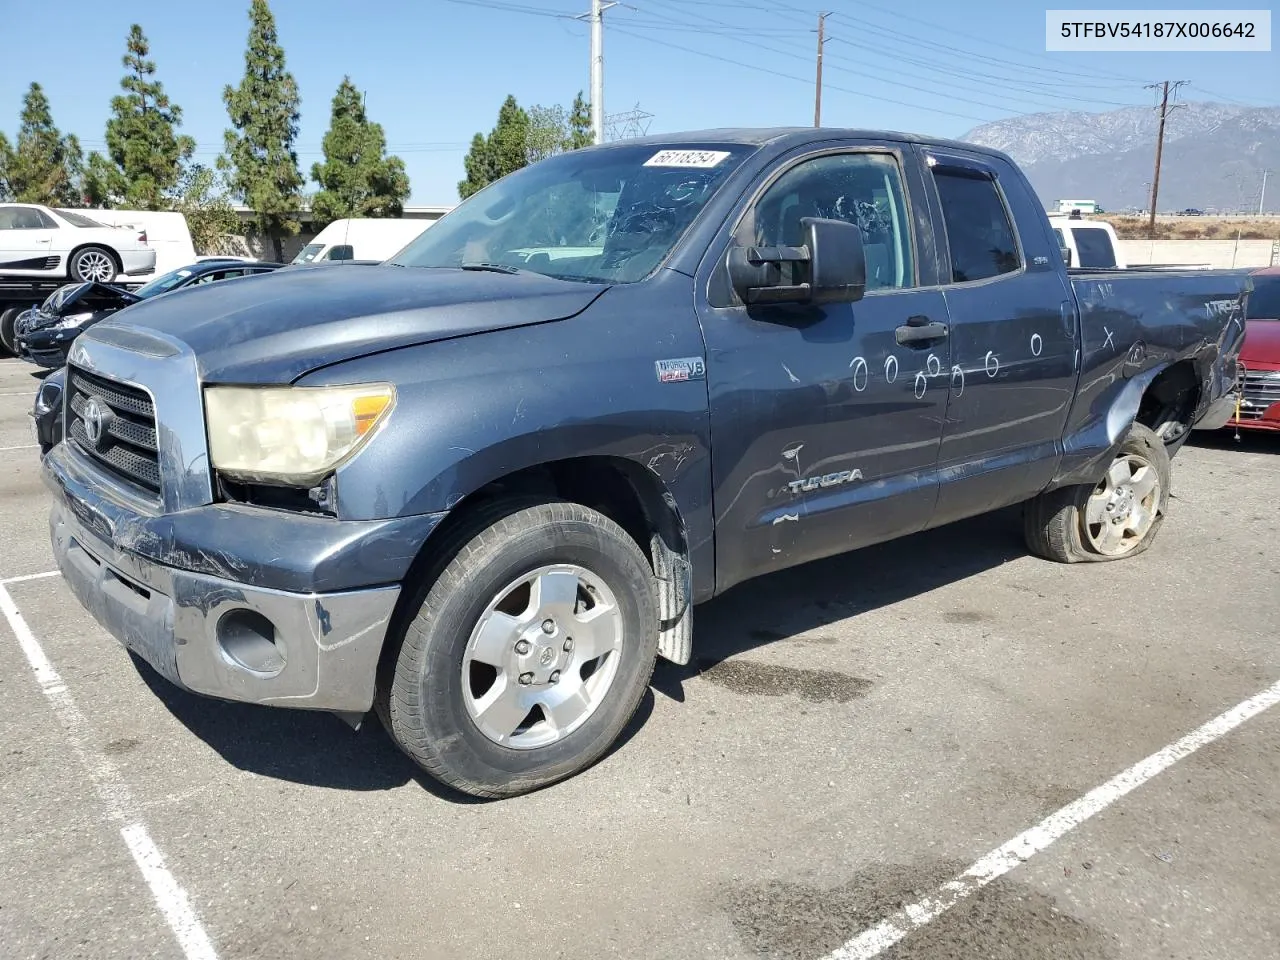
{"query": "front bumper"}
{"type": "Point", "coordinates": [48, 347]}
{"type": "Point", "coordinates": [229, 623]}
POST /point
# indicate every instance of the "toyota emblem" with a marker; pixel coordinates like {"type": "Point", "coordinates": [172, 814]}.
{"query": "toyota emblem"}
{"type": "Point", "coordinates": [96, 417]}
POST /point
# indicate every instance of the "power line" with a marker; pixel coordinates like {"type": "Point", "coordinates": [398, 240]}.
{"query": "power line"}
{"type": "Point", "coordinates": [790, 76]}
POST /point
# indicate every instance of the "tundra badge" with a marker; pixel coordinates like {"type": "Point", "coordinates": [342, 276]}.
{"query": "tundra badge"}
{"type": "Point", "coordinates": [826, 480]}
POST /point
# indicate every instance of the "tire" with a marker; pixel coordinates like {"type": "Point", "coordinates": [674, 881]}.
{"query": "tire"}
{"type": "Point", "coordinates": [1128, 505]}
{"type": "Point", "coordinates": [7, 335]}
{"type": "Point", "coordinates": [447, 706]}
{"type": "Point", "coordinates": [93, 263]}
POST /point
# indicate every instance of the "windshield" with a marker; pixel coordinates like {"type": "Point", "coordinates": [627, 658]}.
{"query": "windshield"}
{"type": "Point", "coordinates": [77, 219]}
{"type": "Point", "coordinates": [609, 216]}
{"type": "Point", "coordinates": [308, 253]}
{"type": "Point", "coordinates": [166, 281]}
{"type": "Point", "coordinates": [1264, 302]}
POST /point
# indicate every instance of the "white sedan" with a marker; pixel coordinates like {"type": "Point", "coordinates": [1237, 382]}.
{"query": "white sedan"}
{"type": "Point", "coordinates": [37, 241]}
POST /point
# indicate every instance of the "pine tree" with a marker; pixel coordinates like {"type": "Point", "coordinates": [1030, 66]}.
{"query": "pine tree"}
{"type": "Point", "coordinates": [260, 161]}
{"type": "Point", "coordinates": [42, 166]}
{"type": "Point", "coordinates": [357, 178]}
{"type": "Point", "coordinates": [580, 132]}
{"type": "Point", "coordinates": [144, 152]}
{"type": "Point", "coordinates": [504, 151]}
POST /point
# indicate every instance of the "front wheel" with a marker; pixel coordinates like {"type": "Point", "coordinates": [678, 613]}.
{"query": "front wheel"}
{"type": "Point", "coordinates": [529, 652]}
{"type": "Point", "coordinates": [1116, 518]}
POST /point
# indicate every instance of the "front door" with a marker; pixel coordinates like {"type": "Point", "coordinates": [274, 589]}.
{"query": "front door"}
{"type": "Point", "coordinates": [824, 428]}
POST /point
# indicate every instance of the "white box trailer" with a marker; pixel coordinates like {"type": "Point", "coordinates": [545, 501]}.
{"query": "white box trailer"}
{"type": "Point", "coordinates": [166, 233]}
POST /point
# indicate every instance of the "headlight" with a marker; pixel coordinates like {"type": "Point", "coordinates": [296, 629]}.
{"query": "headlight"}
{"type": "Point", "coordinates": [74, 320]}
{"type": "Point", "coordinates": [291, 435]}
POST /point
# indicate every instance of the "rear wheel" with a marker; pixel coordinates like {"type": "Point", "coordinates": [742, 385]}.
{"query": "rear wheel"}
{"type": "Point", "coordinates": [529, 652]}
{"type": "Point", "coordinates": [1117, 517]}
{"type": "Point", "coordinates": [92, 263]}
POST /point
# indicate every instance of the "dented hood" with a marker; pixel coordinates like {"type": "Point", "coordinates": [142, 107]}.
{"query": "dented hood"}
{"type": "Point", "coordinates": [276, 327]}
{"type": "Point", "coordinates": [75, 297]}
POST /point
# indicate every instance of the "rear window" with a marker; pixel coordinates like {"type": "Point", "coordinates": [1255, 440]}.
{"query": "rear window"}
{"type": "Point", "coordinates": [1264, 302]}
{"type": "Point", "coordinates": [1094, 245]}
{"type": "Point", "coordinates": [77, 219]}
{"type": "Point", "coordinates": [979, 233]}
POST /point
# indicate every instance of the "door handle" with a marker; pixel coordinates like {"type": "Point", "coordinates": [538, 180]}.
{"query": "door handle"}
{"type": "Point", "coordinates": [919, 329]}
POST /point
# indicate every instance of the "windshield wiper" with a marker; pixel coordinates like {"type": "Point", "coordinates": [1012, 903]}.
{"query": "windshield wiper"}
{"type": "Point", "coordinates": [491, 267]}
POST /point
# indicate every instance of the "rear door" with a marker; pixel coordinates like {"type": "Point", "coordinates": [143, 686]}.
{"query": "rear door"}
{"type": "Point", "coordinates": [825, 429]}
{"type": "Point", "coordinates": [1013, 336]}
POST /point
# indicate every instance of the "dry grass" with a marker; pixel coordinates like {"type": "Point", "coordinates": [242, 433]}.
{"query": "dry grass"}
{"type": "Point", "coordinates": [1198, 228]}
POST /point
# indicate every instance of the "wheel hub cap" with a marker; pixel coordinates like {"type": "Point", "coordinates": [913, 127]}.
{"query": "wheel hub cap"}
{"type": "Point", "coordinates": [1124, 507]}
{"type": "Point", "coordinates": [542, 657]}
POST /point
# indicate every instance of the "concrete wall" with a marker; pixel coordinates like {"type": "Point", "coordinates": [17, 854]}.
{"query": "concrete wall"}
{"type": "Point", "coordinates": [1217, 254]}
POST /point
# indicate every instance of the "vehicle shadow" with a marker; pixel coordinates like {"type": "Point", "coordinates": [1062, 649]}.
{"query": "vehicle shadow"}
{"type": "Point", "coordinates": [318, 749]}
{"type": "Point", "coordinates": [1250, 441]}
{"type": "Point", "coordinates": [312, 747]}
{"type": "Point", "coordinates": [816, 594]}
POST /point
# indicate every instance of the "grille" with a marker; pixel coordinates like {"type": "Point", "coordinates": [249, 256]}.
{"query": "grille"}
{"type": "Point", "coordinates": [127, 446]}
{"type": "Point", "coordinates": [1261, 388]}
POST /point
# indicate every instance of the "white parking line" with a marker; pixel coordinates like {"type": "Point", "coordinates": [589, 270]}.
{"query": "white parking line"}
{"type": "Point", "coordinates": [874, 941]}
{"type": "Point", "coordinates": [113, 792]}
{"type": "Point", "coordinates": [30, 576]}
{"type": "Point", "coordinates": [21, 446]}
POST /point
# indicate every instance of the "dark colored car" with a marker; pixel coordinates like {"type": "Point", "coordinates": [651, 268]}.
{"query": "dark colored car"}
{"type": "Point", "coordinates": [45, 333]}
{"type": "Point", "coordinates": [479, 488]}
{"type": "Point", "coordinates": [1260, 356]}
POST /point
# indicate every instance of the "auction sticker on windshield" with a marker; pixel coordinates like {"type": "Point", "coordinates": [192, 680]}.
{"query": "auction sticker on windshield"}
{"type": "Point", "coordinates": [686, 158]}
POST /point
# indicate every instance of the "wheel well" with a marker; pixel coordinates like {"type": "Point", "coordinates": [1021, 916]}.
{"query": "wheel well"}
{"type": "Point", "coordinates": [625, 492]}
{"type": "Point", "coordinates": [1170, 401]}
{"type": "Point", "coordinates": [100, 246]}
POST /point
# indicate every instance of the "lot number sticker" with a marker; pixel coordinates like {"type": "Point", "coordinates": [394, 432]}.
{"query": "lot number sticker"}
{"type": "Point", "coordinates": [703, 159]}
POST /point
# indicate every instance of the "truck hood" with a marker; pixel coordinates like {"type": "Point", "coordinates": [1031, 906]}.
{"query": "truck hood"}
{"type": "Point", "coordinates": [1261, 342]}
{"type": "Point", "coordinates": [278, 326]}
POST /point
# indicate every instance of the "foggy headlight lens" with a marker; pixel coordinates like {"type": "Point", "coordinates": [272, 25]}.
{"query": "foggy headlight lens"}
{"type": "Point", "coordinates": [292, 435]}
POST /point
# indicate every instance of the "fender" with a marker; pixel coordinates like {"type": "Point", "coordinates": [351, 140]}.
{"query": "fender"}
{"type": "Point", "coordinates": [472, 410]}
{"type": "Point", "coordinates": [1088, 450]}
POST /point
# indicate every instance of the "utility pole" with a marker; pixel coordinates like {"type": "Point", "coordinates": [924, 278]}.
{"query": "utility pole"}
{"type": "Point", "coordinates": [1155, 178]}
{"type": "Point", "coordinates": [817, 91]}
{"type": "Point", "coordinates": [1262, 197]}
{"type": "Point", "coordinates": [596, 19]}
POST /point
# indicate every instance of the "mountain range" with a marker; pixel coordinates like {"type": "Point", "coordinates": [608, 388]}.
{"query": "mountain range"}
{"type": "Point", "coordinates": [1214, 155]}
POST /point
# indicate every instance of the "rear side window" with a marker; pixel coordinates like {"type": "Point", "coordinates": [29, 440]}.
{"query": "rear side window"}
{"type": "Point", "coordinates": [979, 233]}
{"type": "Point", "coordinates": [1095, 247]}
{"type": "Point", "coordinates": [1264, 302]}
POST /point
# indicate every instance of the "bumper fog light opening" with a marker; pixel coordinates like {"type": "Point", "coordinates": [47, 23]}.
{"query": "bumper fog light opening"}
{"type": "Point", "coordinates": [248, 640]}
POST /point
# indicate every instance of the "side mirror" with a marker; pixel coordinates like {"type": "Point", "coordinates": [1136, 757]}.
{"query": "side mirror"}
{"type": "Point", "coordinates": [830, 267]}
{"type": "Point", "coordinates": [342, 251]}
{"type": "Point", "coordinates": [1066, 255]}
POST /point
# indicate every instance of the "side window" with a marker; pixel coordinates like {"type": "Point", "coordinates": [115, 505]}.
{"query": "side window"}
{"type": "Point", "coordinates": [23, 218]}
{"type": "Point", "coordinates": [979, 233]}
{"type": "Point", "coordinates": [43, 221]}
{"type": "Point", "coordinates": [859, 188]}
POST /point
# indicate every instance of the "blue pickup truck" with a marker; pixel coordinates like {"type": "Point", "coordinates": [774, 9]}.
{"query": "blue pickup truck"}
{"type": "Point", "coordinates": [480, 487]}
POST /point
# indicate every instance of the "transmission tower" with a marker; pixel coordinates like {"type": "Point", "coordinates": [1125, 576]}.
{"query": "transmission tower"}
{"type": "Point", "coordinates": [624, 126]}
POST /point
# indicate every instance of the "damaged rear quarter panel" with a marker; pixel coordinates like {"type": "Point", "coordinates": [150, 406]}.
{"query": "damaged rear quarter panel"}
{"type": "Point", "coordinates": [474, 409]}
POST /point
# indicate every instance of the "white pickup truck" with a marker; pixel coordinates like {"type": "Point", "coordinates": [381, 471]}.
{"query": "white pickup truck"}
{"type": "Point", "coordinates": [1091, 244]}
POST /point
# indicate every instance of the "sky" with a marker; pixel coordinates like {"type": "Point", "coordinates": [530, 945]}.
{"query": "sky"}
{"type": "Point", "coordinates": [436, 71]}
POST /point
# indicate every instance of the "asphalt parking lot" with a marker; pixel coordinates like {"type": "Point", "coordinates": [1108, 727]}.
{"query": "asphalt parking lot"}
{"type": "Point", "coordinates": [856, 734]}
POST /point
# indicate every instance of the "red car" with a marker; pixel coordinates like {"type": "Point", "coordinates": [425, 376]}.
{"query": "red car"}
{"type": "Point", "coordinates": [1260, 406]}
